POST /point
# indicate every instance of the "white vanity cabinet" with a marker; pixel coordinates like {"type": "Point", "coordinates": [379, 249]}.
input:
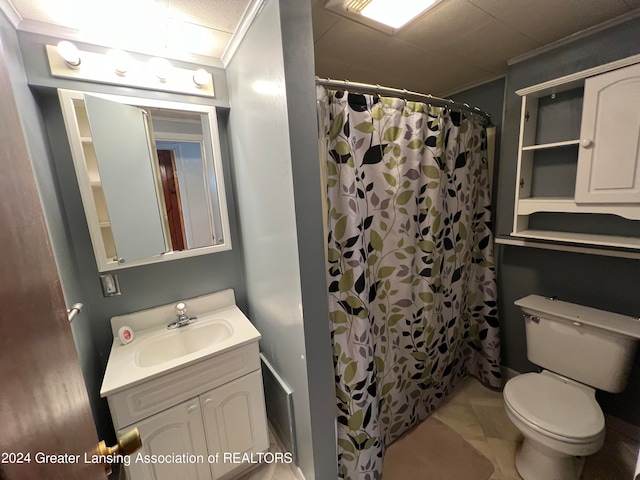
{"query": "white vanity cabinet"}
{"type": "Point", "coordinates": [234, 420]}
{"type": "Point", "coordinates": [214, 406]}
{"type": "Point", "coordinates": [176, 430]}
{"type": "Point", "coordinates": [191, 391]}
{"type": "Point", "coordinates": [578, 174]}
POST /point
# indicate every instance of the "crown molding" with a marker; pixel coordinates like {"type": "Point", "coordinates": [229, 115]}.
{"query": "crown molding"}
{"type": "Point", "coordinates": [250, 14]}
{"type": "Point", "coordinates": [469, 86]}
{"type": "Point", "coordinates": [73, 35]}
{"type": "Point", "coordinates": [9, 11]}
{"type": "Point", "coordinates": [576, 36]}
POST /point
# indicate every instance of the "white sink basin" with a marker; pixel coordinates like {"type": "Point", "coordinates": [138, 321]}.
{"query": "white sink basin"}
{"type": "Point", "coordinates": [156, 351]}
{"type": "Point", "coordinates": [173, 344]}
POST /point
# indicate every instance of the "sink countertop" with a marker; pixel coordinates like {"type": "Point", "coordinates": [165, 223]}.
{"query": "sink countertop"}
{"type": "Point", "coordinates": [123, 372]}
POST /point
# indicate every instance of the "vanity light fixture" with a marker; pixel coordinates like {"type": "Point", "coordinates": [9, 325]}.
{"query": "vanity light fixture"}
{"type": "Point", "coordinates": [121, 61]}
{"type": "Point", "coordinates": [116, 67]}
{"type": "Point", "coordinates": [200, 77]}
{"type": "Point", "coordinates": [162, 68]}
{"type": "Point", "coordinates": [69, 52]}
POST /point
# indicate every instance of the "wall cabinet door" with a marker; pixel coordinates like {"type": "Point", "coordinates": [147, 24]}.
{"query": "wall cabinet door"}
{"type": "Point", "coordinates": [125, 159]}
{"type": "Point", "coordinates": [609, 158]}
{"type": "Point", "coordinates": [177, 430]}
{"type": "Point", "coordinates": [235, 421]}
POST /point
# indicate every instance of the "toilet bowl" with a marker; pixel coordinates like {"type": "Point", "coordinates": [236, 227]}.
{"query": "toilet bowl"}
{"type": "Point", "coordinates": [561, 423]}
{"type": "Point", "coordinates": [581, 349]}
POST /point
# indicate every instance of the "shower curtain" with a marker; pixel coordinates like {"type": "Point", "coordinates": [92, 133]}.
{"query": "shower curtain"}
{"type": "Point", "coordinates": [412, 292]}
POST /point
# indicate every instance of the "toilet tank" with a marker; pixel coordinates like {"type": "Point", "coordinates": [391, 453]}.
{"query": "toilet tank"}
{"type": "Point", "coordinates": [590, 346]}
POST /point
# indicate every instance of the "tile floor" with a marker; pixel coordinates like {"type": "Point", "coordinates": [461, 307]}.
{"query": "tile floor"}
{"type": "Point", "coordinates": [477, 414]}
{"type": "Point", "coordinates": [274, 471]}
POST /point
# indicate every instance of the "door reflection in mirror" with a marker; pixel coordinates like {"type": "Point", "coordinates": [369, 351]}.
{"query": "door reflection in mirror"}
{"type": "Point", "coordinates": [182, 171]}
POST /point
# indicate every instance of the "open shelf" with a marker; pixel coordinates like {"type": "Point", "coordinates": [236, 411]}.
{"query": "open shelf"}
{"type": "Point", "coordinates": [528, 206]}
{"type": "Point", "coordinates": [582, 238]}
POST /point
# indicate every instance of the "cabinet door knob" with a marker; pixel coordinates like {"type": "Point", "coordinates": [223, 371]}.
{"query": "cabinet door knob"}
{"type": "Point", "coordinates": [192, 408]}
{"type": "Point", "coordinates": [586, 143]}
{"type": "Point", "coordinates": [208, 401]}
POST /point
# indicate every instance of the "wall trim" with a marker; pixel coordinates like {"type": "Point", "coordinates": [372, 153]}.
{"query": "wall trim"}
{"type": "Point", "coordinates": [576, 36]}
{"type": "Point", "coordinates": [249, 16]}
{"type": "Point", "coordinates": [11, 13]}
{"type": "Point", "coordinates": [479, 83]}
{"type": "Point", "coordinates": [64, 33]}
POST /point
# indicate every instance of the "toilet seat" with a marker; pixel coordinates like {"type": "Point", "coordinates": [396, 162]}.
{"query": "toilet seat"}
{"type": "Point", "coordinates": [555, 407]}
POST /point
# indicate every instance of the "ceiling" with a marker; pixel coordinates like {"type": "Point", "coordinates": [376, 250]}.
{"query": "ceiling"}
{"type": "Point", "coordinates": [457, 44]}
{"type": "Point", "coordinates": [171, 28]}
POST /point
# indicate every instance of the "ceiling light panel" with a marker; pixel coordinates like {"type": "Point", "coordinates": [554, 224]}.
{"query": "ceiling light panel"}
{"type": "Point", "coordinates": [395, 13]}
{"type": "Point", "coordinates": [385, 15]}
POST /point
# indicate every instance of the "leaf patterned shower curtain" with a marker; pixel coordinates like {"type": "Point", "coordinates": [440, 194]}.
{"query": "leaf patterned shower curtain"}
{"type": "Point", "coordinates": [412, 292]}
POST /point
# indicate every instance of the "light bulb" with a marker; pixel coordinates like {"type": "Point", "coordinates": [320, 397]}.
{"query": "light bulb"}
{"type": "Point", "coordinates": [200, 77]}
{"type": "Point", "coordinates": [121, 61]}
{"type": "Point", "coordinates": [161, 67]}
{"type": "Point", "coordinates": [69, 52]}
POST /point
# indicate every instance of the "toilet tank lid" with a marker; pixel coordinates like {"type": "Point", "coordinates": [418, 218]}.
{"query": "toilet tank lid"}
{"type": "Point", "coordinates": [559, 310]}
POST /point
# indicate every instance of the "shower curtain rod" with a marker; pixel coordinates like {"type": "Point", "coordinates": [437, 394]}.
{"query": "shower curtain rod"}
{"type": "Point", "coordinates": [403, 93]}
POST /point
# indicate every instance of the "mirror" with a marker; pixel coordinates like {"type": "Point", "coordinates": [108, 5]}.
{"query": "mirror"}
{"type": "Point", "coordinates": [150, 177]}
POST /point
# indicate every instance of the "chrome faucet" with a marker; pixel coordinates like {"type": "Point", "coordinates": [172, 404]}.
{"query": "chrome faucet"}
{"type": "Point", "coordinates": [183, 319]}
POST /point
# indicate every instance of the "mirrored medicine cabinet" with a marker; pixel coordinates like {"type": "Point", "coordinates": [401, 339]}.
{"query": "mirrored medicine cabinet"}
{"type": "Point", "coordinates": [150, 177]}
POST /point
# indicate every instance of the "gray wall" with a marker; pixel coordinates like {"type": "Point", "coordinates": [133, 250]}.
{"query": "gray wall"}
{"type": "Point", "coordinates": [274, 147]}
{"type": "Point", "coordinates": [142, 287]}
{"type": "Point", "coordinates": [602, 282]}
{"type": "Point", "coordinates": [295, 18]}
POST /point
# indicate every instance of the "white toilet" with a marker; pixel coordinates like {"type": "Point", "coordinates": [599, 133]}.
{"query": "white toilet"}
{"type": "Point", "coordinates": [581, 349]}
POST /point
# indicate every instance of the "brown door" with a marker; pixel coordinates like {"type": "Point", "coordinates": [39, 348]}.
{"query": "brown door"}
{"type": "Point", "coordinates": [44, 408]}
{"type": "Point", "coordinates": [171, 193]}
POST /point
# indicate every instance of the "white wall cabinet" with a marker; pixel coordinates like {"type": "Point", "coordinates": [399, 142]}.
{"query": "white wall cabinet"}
{"type": "Point", "coordinates": [126, 198]}
{"type": "Point", "coordinates": [579, 153]}
{"type": "Point", "coordinates": [609, 158]}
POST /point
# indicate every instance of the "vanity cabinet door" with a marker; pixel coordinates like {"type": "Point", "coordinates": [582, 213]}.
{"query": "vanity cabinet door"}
{"type": "Point", "coordinates": [609, 157]}
{"type": "Point", "coordinates": [175, 431]}
{"type": "Point", "coordinates": [235, 422]}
